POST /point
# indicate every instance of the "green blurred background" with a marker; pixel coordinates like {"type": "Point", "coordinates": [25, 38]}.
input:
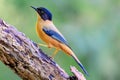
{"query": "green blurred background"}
{"type": "Point", "coordinates": [92, 28]}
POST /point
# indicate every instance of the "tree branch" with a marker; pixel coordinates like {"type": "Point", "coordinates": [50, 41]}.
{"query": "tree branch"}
{"type": "Point", "coordinates": [25, 58]}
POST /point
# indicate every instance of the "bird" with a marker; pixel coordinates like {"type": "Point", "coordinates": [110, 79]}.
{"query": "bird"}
{"type": "Point", "coordinates": [53, 38]}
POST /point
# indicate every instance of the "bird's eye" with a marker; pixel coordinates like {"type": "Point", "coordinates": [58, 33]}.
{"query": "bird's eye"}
{"type": "Point", "coordinates": [42, 12]}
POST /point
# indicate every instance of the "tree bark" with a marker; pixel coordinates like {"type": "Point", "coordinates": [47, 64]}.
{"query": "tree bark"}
{"type": "Point", "coordinates": [26, 59]}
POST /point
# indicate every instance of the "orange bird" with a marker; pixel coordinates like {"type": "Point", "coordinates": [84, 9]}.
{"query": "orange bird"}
{"type": "Point", "coordinates": [47, 31]}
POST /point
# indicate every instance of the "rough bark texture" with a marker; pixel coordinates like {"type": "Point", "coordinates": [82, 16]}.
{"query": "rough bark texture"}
{"type": "Point", "coordinates": [78, 74]}
{"type": "Point", "coordinates": [25, 58]}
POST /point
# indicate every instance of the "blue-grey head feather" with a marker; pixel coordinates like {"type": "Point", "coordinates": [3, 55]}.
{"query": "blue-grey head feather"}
{"type": "Point", "coordinates": [44, 13]}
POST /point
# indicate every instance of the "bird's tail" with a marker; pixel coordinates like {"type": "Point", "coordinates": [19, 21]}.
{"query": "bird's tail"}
{"type": "Point", "coordinates": [69, 51]}
{"type": "Point", "coordinates": [79, 63]}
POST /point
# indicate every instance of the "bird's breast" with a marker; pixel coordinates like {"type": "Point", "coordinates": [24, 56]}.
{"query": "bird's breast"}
{"type": "Point", "coordinates": [40, 32]}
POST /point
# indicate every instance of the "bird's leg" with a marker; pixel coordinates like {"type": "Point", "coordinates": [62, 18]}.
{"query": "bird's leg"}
{"type": "Point", "coordinates": [42, 45]}
{"type": "Point", "coordinates": [55, 52]}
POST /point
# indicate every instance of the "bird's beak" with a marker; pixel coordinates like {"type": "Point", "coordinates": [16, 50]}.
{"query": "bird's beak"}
{"type": "Point", "coordinates": [34, 8]}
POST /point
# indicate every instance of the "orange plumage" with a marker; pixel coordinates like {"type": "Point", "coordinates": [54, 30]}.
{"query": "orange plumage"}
{"type": "Point", "coordinates": [47, 39]}
{"type": "Point", "coordinates": [47, 31]}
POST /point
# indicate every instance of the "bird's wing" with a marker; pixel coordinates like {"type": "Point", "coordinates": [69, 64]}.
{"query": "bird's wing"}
{"type": "Point", "coordinates": [54, 34]}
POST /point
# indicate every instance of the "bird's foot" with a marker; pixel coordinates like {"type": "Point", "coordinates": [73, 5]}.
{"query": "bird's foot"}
{"type": "Point", "coordinates": [42, 45]}
{"type": "Point", "coordinates": [54, 53]}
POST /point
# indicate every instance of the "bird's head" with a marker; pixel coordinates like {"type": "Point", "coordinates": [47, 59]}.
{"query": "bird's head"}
{"type": "Point", "coordinates": [43, 13]}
